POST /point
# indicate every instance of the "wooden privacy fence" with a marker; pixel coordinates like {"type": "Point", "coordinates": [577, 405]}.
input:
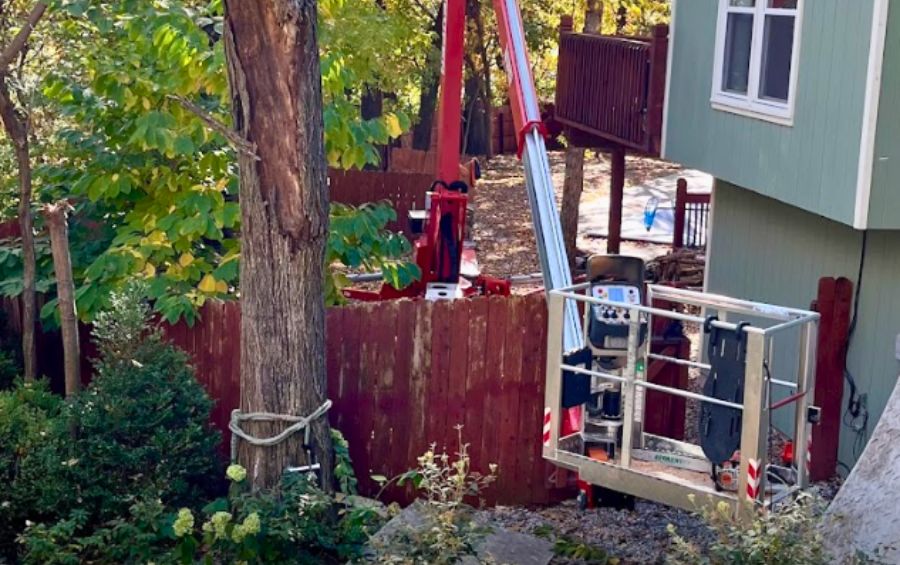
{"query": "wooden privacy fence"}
{"type": "Point", "coordinates": [402, 374]}
{"type": "Point", "coordinates": [405, 191]}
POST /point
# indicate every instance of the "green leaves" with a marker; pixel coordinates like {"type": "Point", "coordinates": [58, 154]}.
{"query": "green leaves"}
{"type": "Point", "coordinates": [152, 182]}
{"type": "Point", "coordinates": [359, 241]}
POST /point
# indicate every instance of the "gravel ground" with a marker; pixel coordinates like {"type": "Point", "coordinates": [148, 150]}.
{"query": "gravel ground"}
{"type": "Point", "coordinates": [640, 536]}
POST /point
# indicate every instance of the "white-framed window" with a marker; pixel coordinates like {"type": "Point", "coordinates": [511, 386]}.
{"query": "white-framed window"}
{"type": "Point", "coordinates": [757, 47]}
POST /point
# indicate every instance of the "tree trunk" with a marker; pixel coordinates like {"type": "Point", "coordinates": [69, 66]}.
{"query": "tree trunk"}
{"type": "Point", "coordinates": [274, 74]}
{"type": "Point", "coordinates": [428, 93]}
{"type": "Point", "coordinates": [573, 185]}
{"type": "Point", "coordinates": [16, 128]}
{"type": "Point", "coordinates": [593, 17]}
{"type": "Point", "coordinates": [477, 140]}
{"type": "Point", "coordinates": [571, 198]}
{"type": "Point", "coordinates": [372, 107]}
{"type": "Point", "coordinates": [56, 217]}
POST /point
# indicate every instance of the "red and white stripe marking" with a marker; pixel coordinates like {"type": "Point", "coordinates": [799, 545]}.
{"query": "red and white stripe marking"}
{"type": "Point", "coordinates": [547, 426]}
{"type": "Point", "coordinates": [808, 455]}
{"type": "Point", "coordinates": [753, 478]}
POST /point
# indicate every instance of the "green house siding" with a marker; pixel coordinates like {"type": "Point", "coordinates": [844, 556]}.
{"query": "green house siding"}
{"type": "Point", "coordinates": [764, 250]}
{"type": "Point", "coordinates": [884, 203]}
{"type": "Point", "coordinates": [812, 164]}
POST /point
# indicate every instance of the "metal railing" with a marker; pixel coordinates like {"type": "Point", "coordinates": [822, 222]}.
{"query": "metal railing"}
{"type": "Point", "coordinates": [771, 329]}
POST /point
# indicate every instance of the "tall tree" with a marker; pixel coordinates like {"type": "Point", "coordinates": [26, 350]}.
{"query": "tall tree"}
{"type": "Point", "coordinates": [16, 124]}
{"type": "Point", "coordinates": [573, 183]}
{"type": "Point", "coordinates": [428, 91]}
{"type": "Point", "coordinates": [273, 70]}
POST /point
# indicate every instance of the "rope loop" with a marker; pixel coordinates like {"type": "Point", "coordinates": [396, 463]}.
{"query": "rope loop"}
{"type": "Point", "coordinates": [297, 423]}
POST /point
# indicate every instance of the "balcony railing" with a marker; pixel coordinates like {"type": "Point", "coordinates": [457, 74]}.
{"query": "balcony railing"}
{"type": "Point", "coordinates": [613, 87]}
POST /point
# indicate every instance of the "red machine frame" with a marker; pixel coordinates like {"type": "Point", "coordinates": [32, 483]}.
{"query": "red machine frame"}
{"type": "Point", "coordinates": [439, 249]}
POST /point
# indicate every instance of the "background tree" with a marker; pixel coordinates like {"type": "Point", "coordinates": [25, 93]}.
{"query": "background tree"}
{"type": "Point", "coordinates": [573, 185]}
{"type": "Point", "coordinates": [16, 124]}
{"type": "Point", "coordinates": [273, 68]}
{"type": "Point", "coordinates": [132, 129]}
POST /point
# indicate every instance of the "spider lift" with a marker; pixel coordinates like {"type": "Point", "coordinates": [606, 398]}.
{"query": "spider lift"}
{"type": "Point", "coordinates": [597, 371]}
{"type": "Point", "coordinates": [440, 249]}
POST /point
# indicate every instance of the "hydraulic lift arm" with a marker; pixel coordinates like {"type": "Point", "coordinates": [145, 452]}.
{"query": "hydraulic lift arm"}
{"type": "Point", "coordinates": [532, 150]}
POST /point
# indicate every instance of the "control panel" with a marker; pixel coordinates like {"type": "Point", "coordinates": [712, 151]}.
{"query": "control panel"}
{"type": "Point", "coordinates": [626, 294]}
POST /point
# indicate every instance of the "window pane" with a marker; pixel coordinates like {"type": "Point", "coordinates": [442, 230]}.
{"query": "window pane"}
{"type": "Point", "coordinates": [778, 46]}
{"type": "Point", "coordinates": [736, 66]}
{"type": "Point", "coordinates": [742, 3]}
{"type": "Point", "coordinates": [783, 4]}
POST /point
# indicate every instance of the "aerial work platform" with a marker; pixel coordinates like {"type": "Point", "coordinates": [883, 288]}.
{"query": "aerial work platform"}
{"type": "Point", "coordinates": [612, 450]}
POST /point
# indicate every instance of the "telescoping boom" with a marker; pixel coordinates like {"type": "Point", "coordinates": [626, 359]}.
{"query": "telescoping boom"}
{"type": "Point", "coordinates": [531, 147]}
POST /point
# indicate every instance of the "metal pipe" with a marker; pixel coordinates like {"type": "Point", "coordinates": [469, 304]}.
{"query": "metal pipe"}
{"type": "Point", "coordinates": [677, 361]}
{"type": "Point", "coordinates": [786, 384]}
{"type": "Point", "coordinates": [788, 400]}
{"type": "Point", "coordinates": [791, 323]}
{"type": "Point", "coordinates": [707, 367]}
{"type": "Point", "coordinates": [597, 374]}
{"type": "Point", "coordinates": [656, 311]}
{"type": "Point", "coordinates": [688, 394]}
{"type": "Point", "coordinates": [718, 301]}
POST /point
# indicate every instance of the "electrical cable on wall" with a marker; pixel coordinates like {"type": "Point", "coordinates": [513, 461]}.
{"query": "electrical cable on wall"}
{"type": "Point", "coordinates": [856, 414]}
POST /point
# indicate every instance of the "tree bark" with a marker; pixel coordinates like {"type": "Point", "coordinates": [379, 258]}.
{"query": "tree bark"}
{"type": "Point", "coordinates": [274, 74]}
{"type": "Point", "coordinates": [16, 126]}
{"type": "Point", "coordinates": [372, 107]}
{"type": "Point", "coordinates": [428, 93]}
{"type": "Point", "coordinates": [571, 198]}
{"type": "Point", "coordinates": [55, 216]}
{"type": "Point", "coordinates": [478, 95]}
{"type": "Point", "coordinates": [573, 185]}
{"type": "Point", "coordinates": [593, 17]}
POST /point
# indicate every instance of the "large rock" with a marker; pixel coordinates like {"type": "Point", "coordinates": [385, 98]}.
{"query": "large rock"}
{"type": "Point", "coordinates": [865, 514]}
{"type": "Point", "coordinates": [494, 544]}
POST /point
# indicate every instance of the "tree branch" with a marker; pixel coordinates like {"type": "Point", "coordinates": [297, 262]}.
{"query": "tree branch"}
{"type": "Point", "coordinates": [11, 51]}
{"type": "Point", "coordinates": [238, 142]}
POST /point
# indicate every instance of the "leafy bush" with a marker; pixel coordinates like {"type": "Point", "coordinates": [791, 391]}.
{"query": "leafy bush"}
{"type": "Point", "coordinates": [29, 417]}
{"type": "Point", "coordinates": [359, 239]}
{"type": "Point", "coordinates": [9, 370]}
{"type": "Point", "coordinates": [786, 537]}
{"type": "Point", "coordinates": [295, 523]}
{"type": "Point", "coordinates": [452, 532]}
{"type": "Point", "coordinates": [138, 437]}
{"type": "Point", "coordinates": [10, 354]}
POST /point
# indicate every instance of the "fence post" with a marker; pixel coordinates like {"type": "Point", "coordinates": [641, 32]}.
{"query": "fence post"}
{"type": "Point", "coordinates": [616, 195]}
{"type": "Point", "coordinates": [833, 303]}
{"type": "Point", "coordinates": [680, 213]}
{"type": "Point", "coordinates": [656, 90]}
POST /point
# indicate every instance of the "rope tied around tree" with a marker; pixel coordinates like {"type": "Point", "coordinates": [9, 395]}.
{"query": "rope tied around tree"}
{"type": "Point", "coordinates": [297, 423]}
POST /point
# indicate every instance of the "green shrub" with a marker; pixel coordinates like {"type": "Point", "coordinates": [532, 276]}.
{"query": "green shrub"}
{"type": "Point", "coordinates": [787, 537]}
{"type": "Point", "coordinates": [138, 436]}
{"type": "Point", "coordinates": [29, 418]}
{"type": "Point", "coordinates": [10, 362]}
{"type": "Point", "coordinates": [294, 523]}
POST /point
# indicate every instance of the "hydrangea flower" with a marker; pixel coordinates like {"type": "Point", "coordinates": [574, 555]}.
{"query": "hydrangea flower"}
{"type": "Point", "coordinates": [236, 473]}
{"type": "Point", "coordinates": [184, 523]}
{"type": "Point", "coordinates": [218, 524]}
{"type": "Point", "coordinates": [250, 526]}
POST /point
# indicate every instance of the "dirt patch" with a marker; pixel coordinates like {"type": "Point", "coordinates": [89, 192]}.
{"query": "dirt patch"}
{"type": "Point", "coordinates": [502, 227]}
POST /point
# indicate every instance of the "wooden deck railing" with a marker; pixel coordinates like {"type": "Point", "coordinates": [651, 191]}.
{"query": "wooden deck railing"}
{"type": "Point", "coordinates": [613, 87]}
